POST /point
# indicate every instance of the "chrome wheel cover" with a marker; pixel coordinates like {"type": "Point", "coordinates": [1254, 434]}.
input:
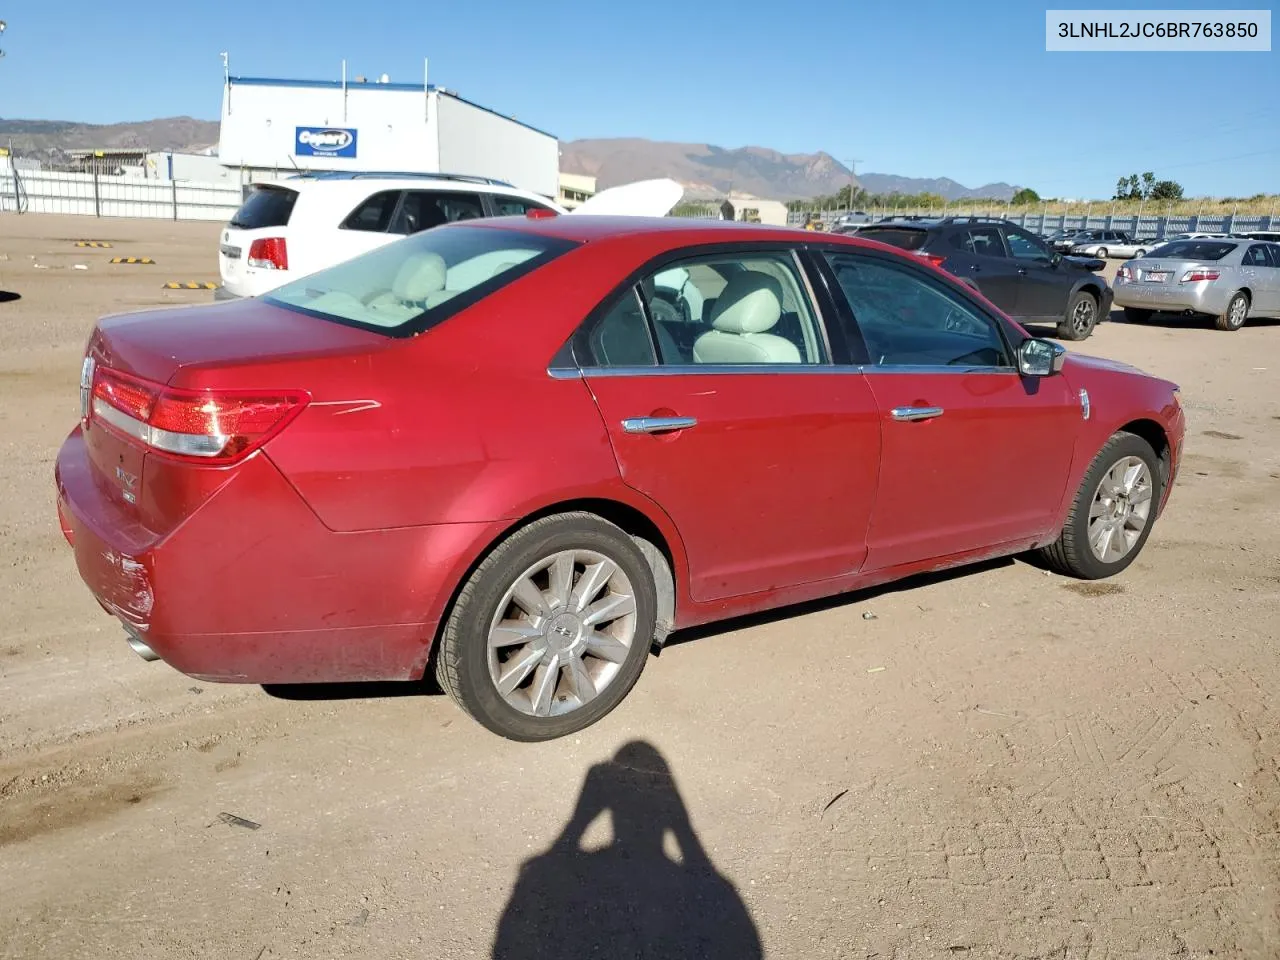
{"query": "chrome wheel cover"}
{"type": "Point", "coordinates": [561, 633]}
{"type": "Point", "coordinates": [1120, 510]}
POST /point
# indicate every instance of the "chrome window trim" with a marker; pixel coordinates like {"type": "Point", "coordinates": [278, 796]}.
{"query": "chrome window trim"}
{"type": "Point", "coordinates": [794, 369]}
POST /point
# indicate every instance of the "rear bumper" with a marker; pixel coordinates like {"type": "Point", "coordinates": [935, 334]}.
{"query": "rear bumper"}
{"type": "Point", "coordinates": [252, 588]}
{"type": "Point", "coordinates": [1197, 297]}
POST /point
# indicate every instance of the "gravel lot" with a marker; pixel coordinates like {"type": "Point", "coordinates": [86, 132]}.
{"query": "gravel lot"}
{"type": "Point", "coordinates": [1002, 763]}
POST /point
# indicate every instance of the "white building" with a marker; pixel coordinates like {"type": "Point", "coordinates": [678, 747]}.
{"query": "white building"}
{"type": "Point", "coordinates": [270, 127]}
{"type": "Point", "coordinates": [575, 189]}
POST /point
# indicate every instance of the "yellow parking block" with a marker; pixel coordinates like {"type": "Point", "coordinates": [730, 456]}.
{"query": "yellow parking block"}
{"type": "Point", "coordinates": [92, 243]}
{"type": "Point", "coordinates": [132, 260]}
{"type": "Point", "coordinates": [190, 286]}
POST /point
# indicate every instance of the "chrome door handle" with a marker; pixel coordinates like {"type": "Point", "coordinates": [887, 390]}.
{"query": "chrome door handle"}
{"type": "Point", "coordinates": [657, 424]}
{"type": "Point", "coordinates": [908, 414]}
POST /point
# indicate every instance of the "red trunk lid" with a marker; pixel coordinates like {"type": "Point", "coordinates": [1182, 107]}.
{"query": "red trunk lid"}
{"type": "Point", "coordinates": [243, 345]}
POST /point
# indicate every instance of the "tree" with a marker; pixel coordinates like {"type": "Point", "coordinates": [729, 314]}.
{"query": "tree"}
{"type": "Point", "coordinates": [1025, 196]}
{"type": "Point", "coordinates": [1128, 188]}
{"type": "Point", "coordinates": [1148, 184]}
{"type": "Point", "coordinates": [1166, 190]}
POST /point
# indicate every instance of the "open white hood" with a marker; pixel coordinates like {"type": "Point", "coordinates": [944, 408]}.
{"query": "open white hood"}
{"type": "Point", "coordinates": [644, 198]}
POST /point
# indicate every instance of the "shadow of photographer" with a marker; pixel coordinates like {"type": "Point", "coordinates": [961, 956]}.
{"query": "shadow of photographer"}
{"type": "Point", "coordinates": [631, 898]}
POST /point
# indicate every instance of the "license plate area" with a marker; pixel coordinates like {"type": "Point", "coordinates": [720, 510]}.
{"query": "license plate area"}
{"type": "Point", "coordinates": [1156, 276]}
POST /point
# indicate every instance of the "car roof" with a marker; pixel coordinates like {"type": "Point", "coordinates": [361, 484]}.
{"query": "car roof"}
{"type": "Point", "coordinates": [364, 184]}
{"type": "Point", "coordinates": [674, 231]}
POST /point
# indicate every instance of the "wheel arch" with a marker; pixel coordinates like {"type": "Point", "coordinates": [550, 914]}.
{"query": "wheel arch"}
{"type": "Point", "coordinates": [1152, 432]}
{"type": "Point", "coordinates": [661, 548]}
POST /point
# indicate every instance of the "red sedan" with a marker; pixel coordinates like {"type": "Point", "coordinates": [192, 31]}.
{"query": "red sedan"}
{"type": "Point", "coordinates": [518, 453]}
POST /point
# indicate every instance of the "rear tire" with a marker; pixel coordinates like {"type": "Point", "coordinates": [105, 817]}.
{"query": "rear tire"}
{"type": "Point", "coordinates": [1139, 254]}
{"type": "Point", "coordinates": [1233, 318]}
{"type": "Point", "coordinates": [568, 670]}
{"type": "Point", "coordinates": [1136, 315]}
{"type": "Point", "coordinates": [1100, 505]}
{"type": "Point", "coordinates": [1081, 316]}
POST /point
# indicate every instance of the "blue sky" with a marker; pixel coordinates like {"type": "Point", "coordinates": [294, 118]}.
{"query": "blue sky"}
{"type": "Point", "coordinates": [924, 88]}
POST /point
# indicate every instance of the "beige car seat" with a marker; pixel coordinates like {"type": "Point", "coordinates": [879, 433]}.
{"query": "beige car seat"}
{"type": "Point", "coordinates": [749, 307]}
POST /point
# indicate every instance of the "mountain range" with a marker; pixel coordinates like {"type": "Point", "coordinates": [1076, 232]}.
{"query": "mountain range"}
{"type": "Point", "coordinates": [706, 170]}
{"type": "Point", "coordinates": [710, 171]}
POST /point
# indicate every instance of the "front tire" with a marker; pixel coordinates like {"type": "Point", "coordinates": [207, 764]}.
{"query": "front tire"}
{"type": "Point", "coordinates": [1233, 318]}
{"type": "Point", "coordinates": [1113, 511]}
{"type": "Point", "coordinates": [552, 630]}
{"type": "Point", "coordinates": [1081, 316]}
{"type": "Point", "coordinates": [1102, 253]}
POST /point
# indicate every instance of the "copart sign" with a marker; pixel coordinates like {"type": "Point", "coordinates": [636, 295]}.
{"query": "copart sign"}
{"type": "Point", "coordinates": [324, 142]}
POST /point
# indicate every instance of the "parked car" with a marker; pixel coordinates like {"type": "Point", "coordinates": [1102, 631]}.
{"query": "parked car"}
{"type": "Point", "coordinates": [288, 229]}
{"type": "Point", "coordinates": [512, 453]}
{"type": "Point", "coordinates": [1013, 268]}
{"type": "Point", "coordinates": [1115, 244]}
{"type": "Point", "coordinates": [1230, 280]}
{"type": "Point", "coordinates": [1064, 240]}
{"type": "Point", "coordinates": [850, 222]}
{"type": "Point", "coordinates": [1272, 236]}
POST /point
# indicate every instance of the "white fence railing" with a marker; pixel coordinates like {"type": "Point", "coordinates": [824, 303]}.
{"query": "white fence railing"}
{"type": "Point", "coordinates": [101, 195]}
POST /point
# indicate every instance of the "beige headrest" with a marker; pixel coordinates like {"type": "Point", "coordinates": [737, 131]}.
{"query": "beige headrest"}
{"type": "Point", "coordinates": [751, 303]}
{"type": "Point", "coordinates": [420, 276]}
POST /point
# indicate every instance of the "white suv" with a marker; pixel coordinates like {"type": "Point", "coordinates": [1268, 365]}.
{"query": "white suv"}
{"type": "Point", "coordinates": [294, 227]}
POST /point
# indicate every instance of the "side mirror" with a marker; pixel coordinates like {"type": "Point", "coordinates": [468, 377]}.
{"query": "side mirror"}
{"type": "Point", "coordinates": [1040, 358]}
{"type": "Point", "coordinates": [1056, 259]}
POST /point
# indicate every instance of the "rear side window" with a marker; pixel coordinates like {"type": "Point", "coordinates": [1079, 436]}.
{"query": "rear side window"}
{"type": "Point", "coordinates": [409, 286]}
{"type": "Point", "coordinates": [505, 206]}
{"type": "Point", "coordinates": [1193, 250]}
{"type": "Point", "coordinates": [980, 241]}
{"type": "Point", "coordinates": [424, 209]}
{"type": "Point", "coordinates": [265, 207]}
{"type": "Point", "coordinates": [374, 215]}
{"type": "Point", "coordinates": [1256, 256]}
{"type": "Point", "coordinates": [619, 337]}
{"type": "Point", "coordinates": [904, 238]}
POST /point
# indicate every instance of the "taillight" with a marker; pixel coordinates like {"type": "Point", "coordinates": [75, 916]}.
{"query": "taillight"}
{"type": "Point", "coordinates": [269, 253]}
{"type": "Point", "coordinates": [212, 426]}
{"type": "Point", "coordinates": [1195, 276]}
{"type": "Point", "coordinates": [933, 258]}
{"type": "Point", "coordinates": [1125, 274]}
{"type": "Point", "coordinates": [539, 213]}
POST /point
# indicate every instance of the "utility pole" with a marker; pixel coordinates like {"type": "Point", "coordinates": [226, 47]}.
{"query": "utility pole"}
{"type": "Point", "coordinates": [852, 165]}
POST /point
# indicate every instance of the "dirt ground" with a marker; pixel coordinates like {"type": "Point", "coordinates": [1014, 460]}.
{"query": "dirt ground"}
{"type": "Point", "coordinates": [1002, 763]}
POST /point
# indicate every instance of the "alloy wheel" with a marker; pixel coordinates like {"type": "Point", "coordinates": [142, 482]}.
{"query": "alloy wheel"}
{"type": "Point", "coordinates": [1120, 510]}
{"type": "Point", "coordinates": [1083, 314]}
{"type": "Point", "coordinates": [561, 633]}
{"type": "Point", "coordinates": [1236, 315]}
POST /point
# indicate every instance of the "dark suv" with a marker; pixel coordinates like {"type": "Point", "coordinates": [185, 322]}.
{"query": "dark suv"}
{"type": "Point", "coordinates": [1014, 269]}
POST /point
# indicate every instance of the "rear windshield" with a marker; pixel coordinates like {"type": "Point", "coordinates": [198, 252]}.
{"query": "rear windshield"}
{"type": "Point", "coordinates": [907, 238]}
{"type": "Point", "coordinates": [1192, 250]}
{"type": "Point", "coordinates": [265, 207]}
{"type": "Point", "coordinates": [410, 285]}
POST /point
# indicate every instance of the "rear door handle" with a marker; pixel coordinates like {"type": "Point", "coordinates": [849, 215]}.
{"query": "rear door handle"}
{"type": "Point", "coordinates": [909, 414]}
{"type": "Point", "coordinates": [1022, 271]}
{"type": "Point", "coordinates": [657, 424]}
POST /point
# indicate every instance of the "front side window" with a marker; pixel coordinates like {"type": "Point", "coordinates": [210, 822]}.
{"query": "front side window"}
{"type": "Point", "coordinates": [411, 285]}
{"type": "Point", "coordinates": [424, 209]}
{"type": "Point", "coordinates": [1023, 247]}
{"type": "Point", "coordinates": [907, 320]}
{"type": "Point", "coordinates": [374, 214]}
